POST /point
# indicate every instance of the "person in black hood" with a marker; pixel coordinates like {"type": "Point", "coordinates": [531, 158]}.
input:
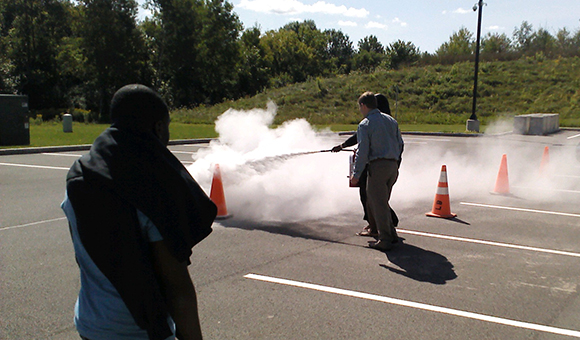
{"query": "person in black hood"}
{"type": "Point", "coordinates": [383, 106]}
{"type": "Point", "coordinates": [135, 214]}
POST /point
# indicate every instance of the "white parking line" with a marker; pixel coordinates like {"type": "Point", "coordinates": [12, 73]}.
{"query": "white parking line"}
{"type": "Point", "coordinates": [184, 152]}
{"type": "Point", "coordinates": [33, 223]}
{"type": "Point", "coordinates": [427, 139]}
{"type": "Point", "coordinates": [520, 209]}
{"type": "Point", "coordinates": [575, 136]}
{"type": "Point", "coordinates": [61, 154]}
{"type": "Point", "coordinates": [489, 243]}
{"type": "Point", "coordinates": [417, 305]}
{"type": "Point", "coordinates": [35, 166]}
{"type": "Point", "coordinates": [543, 189]}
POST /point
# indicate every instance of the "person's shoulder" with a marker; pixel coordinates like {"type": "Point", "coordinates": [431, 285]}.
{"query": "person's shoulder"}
{"type": "Point", "coordinates": [364, 121]}
{"type": "Point", "coordinates": [389, 118]}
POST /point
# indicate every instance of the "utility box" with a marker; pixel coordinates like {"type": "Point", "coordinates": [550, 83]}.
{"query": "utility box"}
{"type": "Point", "coordinates": [67, 123]}
{"type": "Point", "coordinates": [14, 126]}
{"type": "Point", "coordinates": [537, 124]}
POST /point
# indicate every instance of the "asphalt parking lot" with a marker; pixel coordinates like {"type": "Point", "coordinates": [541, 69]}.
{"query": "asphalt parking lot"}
{"type": "Point", "coordinates": [508, 267]}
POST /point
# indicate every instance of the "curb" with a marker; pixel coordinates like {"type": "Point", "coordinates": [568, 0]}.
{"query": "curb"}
{"type": "Point", "coordinates": [418, 133]}
{"type": "Point", "coordinates": [85, 147]}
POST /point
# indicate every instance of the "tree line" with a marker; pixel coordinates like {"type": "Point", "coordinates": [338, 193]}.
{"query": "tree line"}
{"type": "Point", "coordinates": [75, 54]}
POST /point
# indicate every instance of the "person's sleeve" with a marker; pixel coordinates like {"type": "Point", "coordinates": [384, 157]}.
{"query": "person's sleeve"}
{"type": "Point", "coordinates": [352, 140]}
{"type": "Point", "coordinates": [362, 153]}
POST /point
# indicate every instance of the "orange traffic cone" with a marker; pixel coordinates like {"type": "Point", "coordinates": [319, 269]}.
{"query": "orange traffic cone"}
{"type": "Point", "coordinates": [502, 184]}
{"type": "Point", "coordinates": [217, 194]}
{"type": "Point", "coordinates": [441, 206]}
{"type": "Point", "coordinates": [545, 159]}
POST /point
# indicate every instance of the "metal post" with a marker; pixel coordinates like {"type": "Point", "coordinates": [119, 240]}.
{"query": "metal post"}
{"type": "Point", "coordinates": [474, 124]}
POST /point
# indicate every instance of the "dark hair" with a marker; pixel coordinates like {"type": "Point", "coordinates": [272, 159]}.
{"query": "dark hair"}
{"type": "Point", "coordinates": [368, 98]}
{"type": "Point", "coordinates": [383, 103]}
{"type": "Point", "coordinates": [137, 107]}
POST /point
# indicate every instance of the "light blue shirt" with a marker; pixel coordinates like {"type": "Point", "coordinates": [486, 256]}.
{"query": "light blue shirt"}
{"type": "Point", "coordinates": [378, 137]}
{"type": "Point", "coordinates": [100, 313]}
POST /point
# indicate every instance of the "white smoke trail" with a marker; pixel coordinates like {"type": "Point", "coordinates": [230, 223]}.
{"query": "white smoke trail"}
{"type": "Point", "coordinates": [261, 183]}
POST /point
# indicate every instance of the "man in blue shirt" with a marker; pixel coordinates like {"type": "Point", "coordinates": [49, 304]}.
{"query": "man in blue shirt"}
{"type": "Point", "coordinates": [135, 213]}
{"type": "Point", "coordinates": [380, 150]}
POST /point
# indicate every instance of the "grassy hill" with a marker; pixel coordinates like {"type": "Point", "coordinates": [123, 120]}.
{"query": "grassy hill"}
{"type": "Point", "coordinates": [436, 94]}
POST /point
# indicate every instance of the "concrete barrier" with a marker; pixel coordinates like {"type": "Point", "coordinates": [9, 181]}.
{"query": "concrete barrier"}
{"type": "Point", "coordinates": [537, 123]}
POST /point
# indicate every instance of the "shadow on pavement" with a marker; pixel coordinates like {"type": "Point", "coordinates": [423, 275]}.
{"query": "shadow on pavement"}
{"type": "Point", "coordinates": [420, 264]}
{"type": "Point", "coordinates": [320, 230]}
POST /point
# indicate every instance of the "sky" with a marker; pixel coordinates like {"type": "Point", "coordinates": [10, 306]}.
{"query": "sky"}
{"type": "Point", "coordinates": [427, 24]}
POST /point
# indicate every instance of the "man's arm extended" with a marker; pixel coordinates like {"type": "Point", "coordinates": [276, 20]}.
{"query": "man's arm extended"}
{"type": "Point", "coordinates": [179, 292]}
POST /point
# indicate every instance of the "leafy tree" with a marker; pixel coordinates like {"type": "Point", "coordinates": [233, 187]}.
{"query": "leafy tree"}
{"type": "Point", "coordinates": [402, 52]}
{"type": "Point", "coordinates": [564, 41]}
{"type": "Point", "coordinates": [315, 43]}
{"type": "Point", "coordinates": [253, 73]}
{"type": "Point", "coordinates": [174, 34]}
{"type": "Point", "coordinates": [301, 28]}
{"type": "Point", "coordinates": [371, 44]}
{"type": "Point", "coordinates": [576, 43]}
{"type": "Point", "coordinates": [460, 43]}
{"type": "Point", "coordinates": [114, 49]}
{"type": "Point", "coordinates": [543, 41]}
{"type": "Point", "coordinates": [523, 36]}
{"type": "Point", "coordinates": [285, 56]}
{"type": "Point", "coordinates": [31, 31]}
{"type": "Point", "coordinates": [294, 53]}
{"type": "Point", "coordinates": [219, 51]}
{"type": "Point", "coordinates": [496, 43]}
{"type": "Point", "coordinates": [370, 55]}
{"type": "Point", "coordinates": [197, 50]}
{"type": "Point", "coordinates": [340, 50]}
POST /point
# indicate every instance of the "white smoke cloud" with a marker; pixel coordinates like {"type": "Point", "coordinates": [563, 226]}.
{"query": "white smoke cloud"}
{"type": "Point", "coordinates": [264, 182]}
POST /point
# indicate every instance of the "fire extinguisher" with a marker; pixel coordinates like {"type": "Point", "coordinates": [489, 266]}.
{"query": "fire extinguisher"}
{"type": "Point", "coordinates": [352, 158]}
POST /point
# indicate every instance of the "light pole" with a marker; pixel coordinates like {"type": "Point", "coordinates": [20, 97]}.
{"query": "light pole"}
{"type": "Point", "coordinates": [472, 122]}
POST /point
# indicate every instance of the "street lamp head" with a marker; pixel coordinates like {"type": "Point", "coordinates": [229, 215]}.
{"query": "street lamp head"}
{"type": "Point", "coordinates": [475, 7]}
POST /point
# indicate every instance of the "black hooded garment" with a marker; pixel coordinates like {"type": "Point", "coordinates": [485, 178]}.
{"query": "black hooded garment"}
{"type": "Point", "coordinates": [124, 171]}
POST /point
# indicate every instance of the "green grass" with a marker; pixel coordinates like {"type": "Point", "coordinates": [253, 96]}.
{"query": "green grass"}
{"type": "Point", "coordinates": [433, 94]}
{"type": "Point", "coordinates": [51, 134]}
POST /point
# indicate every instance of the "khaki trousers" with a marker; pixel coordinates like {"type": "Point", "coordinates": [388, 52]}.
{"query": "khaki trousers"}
{"type": "Point", "coordinates": [382, 175]}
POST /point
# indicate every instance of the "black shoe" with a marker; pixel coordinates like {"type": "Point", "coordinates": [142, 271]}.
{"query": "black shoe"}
{"type": "Point", "coordinates": [381, 245]}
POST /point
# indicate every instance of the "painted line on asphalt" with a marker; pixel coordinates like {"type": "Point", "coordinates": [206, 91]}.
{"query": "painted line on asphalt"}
{"type": "Point", "coordinates": [542, 189]}
{"type": "Point", "coordinates": [489, 243]}
{"type": "Point", "coordinates": [417, 305]}
{"type": "Point", "coordinates": [575, 136]}
{"type": "Point", "coordinates": [35, 166]}
{"type": "Point", "coordinates": [520, 209]}
{"type": "Point", "coordinates": [427, 139]}
{"type": "Point", "coordinates": [32, 224]}
{"type": "Point", "coordinates": [185, 152]}
{"type": "Point", "coordinates": [61, 154]}
{"type": "Point", "coordinates": [42, 166]}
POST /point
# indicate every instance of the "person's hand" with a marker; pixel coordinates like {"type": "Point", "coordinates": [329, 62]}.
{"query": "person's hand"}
{"type": "Point", "coordinates": [354, 182]}
{"type": "Point", "coordinates": [337, 148]}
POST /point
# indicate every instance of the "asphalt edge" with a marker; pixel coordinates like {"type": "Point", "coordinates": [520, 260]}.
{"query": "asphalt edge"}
{"type": "Point", "coordinates": [84, 147]}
